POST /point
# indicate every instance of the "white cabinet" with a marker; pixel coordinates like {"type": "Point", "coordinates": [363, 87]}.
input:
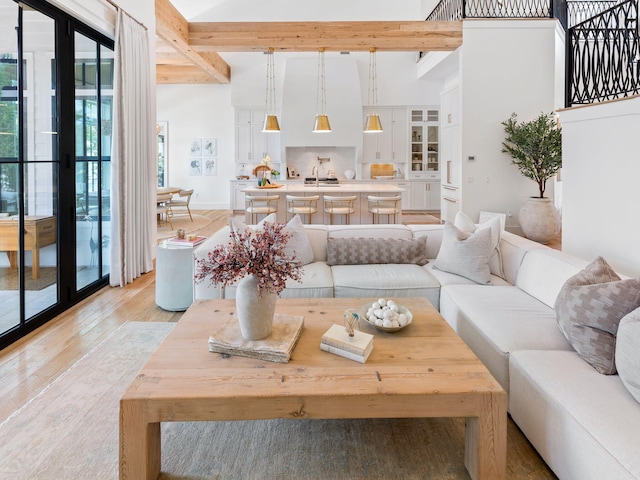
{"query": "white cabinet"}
{"type": "Point", "coordinates": [405, 204]}
{"type": "Point", "coordinates": [424, 139]}
{"type": "Point", "coordinates": [388, 146]}
{"type": "Point", "coordinates": [251, 144]}
{"type": "Point", "coordinates": [450, 156]}
{"type": "Point", "coordinates": [237, 195]}
{"type": "Point", "coordinates": [424, 195]}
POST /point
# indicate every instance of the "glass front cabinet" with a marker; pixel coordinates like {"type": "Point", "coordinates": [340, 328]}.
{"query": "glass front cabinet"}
{"type": "Point", "coordinates": [424, 135]}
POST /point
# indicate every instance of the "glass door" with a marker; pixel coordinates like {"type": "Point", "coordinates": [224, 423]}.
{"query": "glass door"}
{"type": "Point", "coordinates": [55, 157]}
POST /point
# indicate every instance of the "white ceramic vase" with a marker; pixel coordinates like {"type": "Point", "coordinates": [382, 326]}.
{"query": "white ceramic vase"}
{"type": "Point", "coordinates": [539, 219]}
{"type": "Point", "coordinates": [255, 312]}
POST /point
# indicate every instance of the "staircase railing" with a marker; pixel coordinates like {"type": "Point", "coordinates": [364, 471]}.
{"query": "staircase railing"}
{"type": "Point", "coordinates": [603, 56]}
{"type": "Point", "coordinates": [568, 12]}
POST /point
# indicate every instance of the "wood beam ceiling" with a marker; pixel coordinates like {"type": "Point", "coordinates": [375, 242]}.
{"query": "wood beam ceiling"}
{"type": "Point", "coordinates": [337, 36]}
{"type": "Point", "coordinates": [187, 52]}
{"type": "Point", "coordinates": [173, 28]}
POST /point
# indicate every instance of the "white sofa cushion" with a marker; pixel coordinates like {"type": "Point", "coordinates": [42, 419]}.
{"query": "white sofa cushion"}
{"type": "Point", "coordinates": [543, 273]}
{"type": "Point", "coordinates": [317, 282]}
{"type": "Point", "coordinates": [583, 424]}
{"type": "Point", "coordinates": [298, 244]}
{"type": "Point", "coordinates": [628, 352]}
{"type": "Point", "coordinates": [369, 231]}
{"type": "Point", "coordinates": [465, 254]}
{"type": "Point", "coordinates": [433, 232]}
{"type": "Point", "coordinates": [385, 280]}
{"type": "Point", "coordinates": [495, 321]}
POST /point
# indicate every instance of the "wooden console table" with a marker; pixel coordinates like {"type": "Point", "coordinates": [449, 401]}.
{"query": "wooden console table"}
{"type": "Point", "coordinates": [40, 231]}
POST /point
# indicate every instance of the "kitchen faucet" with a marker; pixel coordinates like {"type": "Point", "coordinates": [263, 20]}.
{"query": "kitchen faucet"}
{"type": "Point", "coordinates": [315, 170]}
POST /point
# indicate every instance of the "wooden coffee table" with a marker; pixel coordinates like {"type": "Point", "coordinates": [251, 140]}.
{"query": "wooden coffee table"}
{"type": "Point", "coordinates": [425, 370]}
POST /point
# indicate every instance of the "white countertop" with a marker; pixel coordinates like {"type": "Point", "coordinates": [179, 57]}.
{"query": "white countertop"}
{"type": "Point", "coordinates": [372, 187]}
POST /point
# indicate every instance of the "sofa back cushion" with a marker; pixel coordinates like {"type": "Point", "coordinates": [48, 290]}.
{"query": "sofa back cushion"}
{"type": "Point", "coordinates": [317, 235]}
{"type": "Point", "coordinates": [363, 251]}
{"type": "Point", "coordinates": [628, 352]}
{"type": "Point", "coordinates": [513, 249]}
{"type": "Point", "coordinates": [369, 231]}
{"type": "Point", "coordinates": [433, 234]}
{"type": "Point", "coordinates": [543, 273]}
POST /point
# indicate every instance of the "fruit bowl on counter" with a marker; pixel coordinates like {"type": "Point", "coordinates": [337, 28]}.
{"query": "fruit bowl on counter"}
{"type": "Point", "coordinates": [386, 315]}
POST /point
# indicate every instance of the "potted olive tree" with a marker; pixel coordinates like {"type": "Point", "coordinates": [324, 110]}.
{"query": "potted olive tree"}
{"type": "Point", "coordinates": [536, 149]}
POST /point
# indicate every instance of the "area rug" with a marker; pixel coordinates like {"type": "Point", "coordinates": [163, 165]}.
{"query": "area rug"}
{"type": "Point", "coordinates": [185, 223]}
{"type": "Point", "coordinates": [419, 219]}
{"type": "Point", "coordinates": [9, 278]}
{"type": "Point", "coordinates": [70, 431]}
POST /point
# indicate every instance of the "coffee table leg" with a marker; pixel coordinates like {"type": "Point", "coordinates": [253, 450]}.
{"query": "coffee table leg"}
{"type": "Point", "coordinates": [139, 443]}
{"type": "Point", "coordinates": [486, 440]}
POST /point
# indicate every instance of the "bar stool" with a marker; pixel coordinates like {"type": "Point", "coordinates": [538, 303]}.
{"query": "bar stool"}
{"type": "Point", "coordinates": [339, 206]}
{"type": "Point", "coordinates": [261, 205]}
{"type": "Point", "coordinates": [384, 206]}
{"type": "Point", "coordinates": [302, 205]}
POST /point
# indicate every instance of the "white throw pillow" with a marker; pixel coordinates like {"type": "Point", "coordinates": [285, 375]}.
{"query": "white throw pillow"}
{"type": "Point", "coordinates": [299, 241]}
{"type": "Point", "coordinates": [239, 226]}
{"type": "Point", "coordinates": [464, 223]}
{"type": "Point", "coordinates": [465, 254]}
{"type": "Point", "coordinates": [628, 352]}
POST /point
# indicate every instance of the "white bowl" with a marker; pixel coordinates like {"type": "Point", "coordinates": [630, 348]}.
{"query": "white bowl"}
{"type": "Point", "coordinates": [363, 314]}
{"type": "Point", "coordinates": [350, 174]}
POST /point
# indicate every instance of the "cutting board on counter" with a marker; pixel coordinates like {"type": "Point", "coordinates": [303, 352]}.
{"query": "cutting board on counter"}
{"type": "Point", "coordinates": [382, 170]}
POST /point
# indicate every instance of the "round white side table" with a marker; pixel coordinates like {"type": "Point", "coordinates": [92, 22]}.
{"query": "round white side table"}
{"type": "Point", "coordinates": [174, 277]}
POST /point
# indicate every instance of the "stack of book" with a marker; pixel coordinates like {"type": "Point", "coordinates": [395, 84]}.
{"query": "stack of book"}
{"type": "Point", "coordinates": [358, 348]}
{"type": "Point", "coordinates": [185, 242]}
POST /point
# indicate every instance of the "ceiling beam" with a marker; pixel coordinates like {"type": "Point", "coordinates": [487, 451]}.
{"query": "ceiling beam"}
{"type": "Point", "coordinates": [183, 74]}
{"type": "Point", "coordinates": [172, 27]}
{"type": "Point", "coordinates": [336, 36]}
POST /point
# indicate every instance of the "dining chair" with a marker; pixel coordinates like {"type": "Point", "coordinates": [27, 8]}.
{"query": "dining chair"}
{"type": "Point", "coordinates": [182, 202]}
{"type": "Point", "coordinates": [163, 206]}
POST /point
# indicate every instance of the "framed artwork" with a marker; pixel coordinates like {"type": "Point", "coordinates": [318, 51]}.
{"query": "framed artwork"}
{"type": "Point", "coordinates": [209, 147]}
{"type": "Point", "coordinates": [195, 166]}
{"type": "Point", "coordinates": [210, 165]}
{"type": "Point", "coordinates": [195, 147]}
{"type": "Point", "coordinates": [203, 156]}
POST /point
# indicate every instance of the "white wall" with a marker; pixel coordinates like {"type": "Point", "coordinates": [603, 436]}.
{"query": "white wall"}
{"type": "Point", "coordinates": [507, 66]}
{"type": "Point", "coordinates": [600, 183]}
{"type": "Point", "coordinates": [199, 111]}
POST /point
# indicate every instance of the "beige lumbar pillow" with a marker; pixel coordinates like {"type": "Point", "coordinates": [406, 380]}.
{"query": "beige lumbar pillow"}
{"type": "Point", "coordinates": [589, 308]}
{"type": "Point", "coordinates": [465, 254]}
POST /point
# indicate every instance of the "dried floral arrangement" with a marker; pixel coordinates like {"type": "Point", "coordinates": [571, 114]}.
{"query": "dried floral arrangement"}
{"type": "Point", "coordinates": [261, 254]}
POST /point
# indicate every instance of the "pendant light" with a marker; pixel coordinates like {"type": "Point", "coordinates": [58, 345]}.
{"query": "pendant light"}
{"type": "Point", "coordinates": [322, 120]}
{"type": "Point", "coordinates": [270, 119]}
{"type": "Point", "coordinates": [373, 124]}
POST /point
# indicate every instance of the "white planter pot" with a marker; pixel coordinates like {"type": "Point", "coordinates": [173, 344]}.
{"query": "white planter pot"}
{"type": "Point", "coordinates": [255, 312]}
{"type": "Point", "coordinates": [539, 219]}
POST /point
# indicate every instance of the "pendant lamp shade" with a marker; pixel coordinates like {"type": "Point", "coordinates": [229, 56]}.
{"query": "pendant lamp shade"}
{"type": "Point", "coordinates": [373, 124]}
{"type": "Point", "coordinates": [321, 124]}
{"type": "Point", "coordinates": [270, 120]}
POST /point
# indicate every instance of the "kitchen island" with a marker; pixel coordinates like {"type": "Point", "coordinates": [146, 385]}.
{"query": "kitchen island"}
{"type": "Point", "coordinates": [360, 190]}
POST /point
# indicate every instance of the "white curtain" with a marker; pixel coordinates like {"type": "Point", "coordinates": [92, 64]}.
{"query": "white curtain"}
{"type": "Point", "coordinates": [132, 164]}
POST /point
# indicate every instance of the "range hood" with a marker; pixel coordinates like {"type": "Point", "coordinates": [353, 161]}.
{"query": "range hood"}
{"type": "Point", "coordinates": [344, 103]}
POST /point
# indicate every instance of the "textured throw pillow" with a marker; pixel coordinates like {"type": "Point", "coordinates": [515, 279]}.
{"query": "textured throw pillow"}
{"type": "Point", "coordinates": [299, 243]}
{"type": "Point", "coordinates": [589, 308]}
{"type": "Point", "coordinates": [628, 352]}
{"type": "Point", "coordinates": [464, 223]}
{"type": "Point", "coordinates": [465, 254]}
{"type": "Point", "coordinates": [361, 251]}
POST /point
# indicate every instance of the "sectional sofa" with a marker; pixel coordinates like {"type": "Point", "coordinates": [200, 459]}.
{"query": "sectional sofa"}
{"type": "Point", "coordinates": [584, 424]}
